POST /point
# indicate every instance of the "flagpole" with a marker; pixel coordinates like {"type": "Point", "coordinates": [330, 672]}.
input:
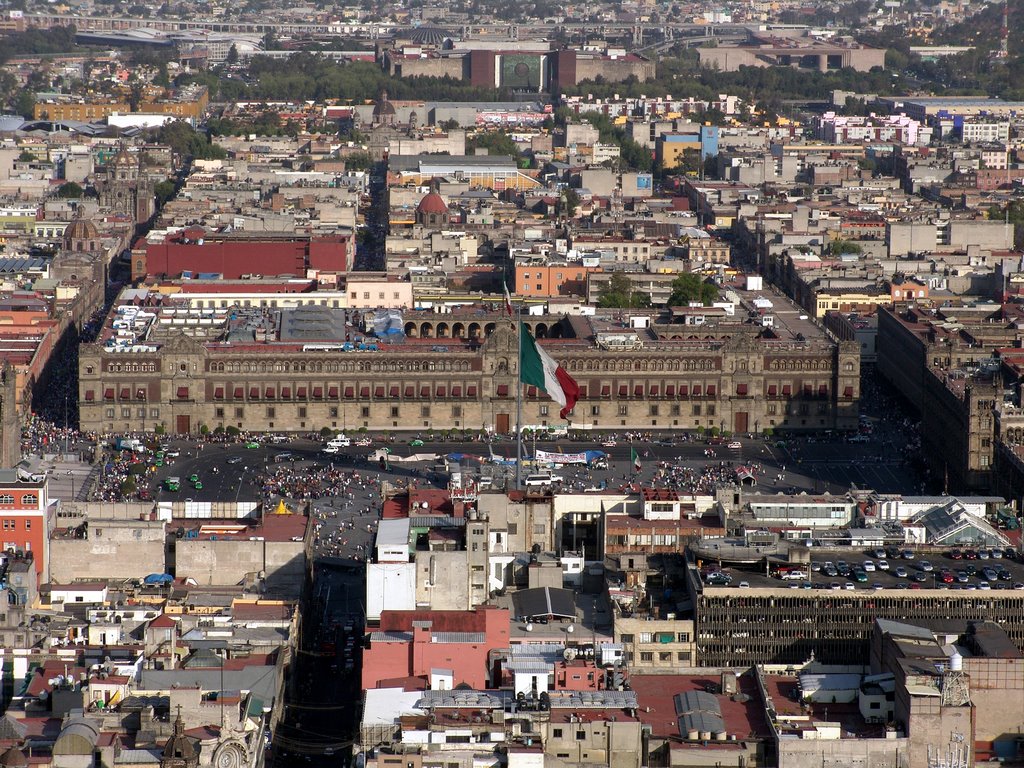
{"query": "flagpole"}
{"type": "Point", "coordinates": [519, 398]}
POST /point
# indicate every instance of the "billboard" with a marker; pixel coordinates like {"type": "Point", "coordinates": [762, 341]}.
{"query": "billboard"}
{"type": "Point", "coordinates": [521, 71]}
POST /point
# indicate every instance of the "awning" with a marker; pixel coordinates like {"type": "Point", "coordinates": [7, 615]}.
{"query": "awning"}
{"type": "Point", "coordinates": [378, 391]}
{"type": "Point", "coordinates": [108, 393]}
{"type": "Point", "coordinates": [442, 391]}
{"type": "Point", "coordinates": [807, 390]}
{"type": "Point", "coordinates": [286, 393]}
{"type": "Point", "coordinates": [471, 390]}
{"type": "Point", "coordinates": [393, 392]}
{"type": "Point", "coordinates": [350, 391]}
{"type": "Point", "coordinates": [183, 393]}
{"type": "Point", "coordinates": [254, 393]}
{"type": "Point", "coordinates": [638, 390]}
{"type": "Point", "coordinates": [410, 391]}
{"type": "Point", "coordinates": [606, 390]}
{"type": "Point", "coordinates": [90, 395]}
{"type": "Point", "coordinates": [823, 390]}
{"type": "Point", "coordinates": [773, 390]}
{"type": "Point", "coordinates": [848, 392]}
{"type": "Point", "coordinates": [741, 389]}
{"type": "Point", "coordinates": [531, 391]}
{"type": "Point", "coordinates": [712, 390]}
{"type": "Point", "coordinates": [670, 390]}
{"type": "Point", "coordinates": [787, 389]}
{"type": "Point", "coordinates": [126, 393]}
{"type": "Point", "coordinates": [271, 393]}
{"type": "Point", "coordinates": [332, 392]}
{"type": "Point", "coordinates": [218, 393]}
{"type": "Point", "coordinates": [653, 390]}
{"type": "Point", "coordinates": [457, 390]}
{"type": "Point", "coordinates": [503, 390]}
{"type": "Point", "coordinates": [318, 392]}
{"type": "Point", "coordinates": [364, 391]}
{"type": "Point", "coordinates": [425, 392]}
{"type": "Point", "coordinates": [583, 390]}
{"type": "Point", "coordinates": [696, 390]}
{"type": "Point", "coordinates": [623, 390]}
{"type": "Point", "coordinates": [684, 390]}
{"type": "Point", "coordinates": [300, 392]}
{"type": "Point", "coordinates": [239, 393]}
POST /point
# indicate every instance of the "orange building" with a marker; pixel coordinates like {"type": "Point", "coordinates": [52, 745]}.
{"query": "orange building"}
{"type": "Point", "coordinates": [551, 281]}
{"type": "Point", "coordinates": [25, 516]}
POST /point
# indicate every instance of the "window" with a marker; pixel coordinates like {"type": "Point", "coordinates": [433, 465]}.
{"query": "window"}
{"type": "Point", "coordinates": [28, 525]}
{"type": "Point", "coordinates": [654, 410]}
{"type": "Point", "coordinates": [645, 637]}
{"type": "Point", "coordinates": [673, 410]}
{"type": "Point", "coordinates": [239, 413]}
{"type": "Point", "coordinates": [218, 412]}
{"type": "Point", "coordinates": [624, 638]}
{"type": "Point", "coordinates": [394, 411]}
{"type": "Point", "coordinates": [154, 413]}
{"type": "Point", "coordinates": [513, 529]}
{"type": "Point", "coordinates": [581, 735]}
{"type": "Point", "coordinates": [711, 410]}
{"type": "Point", "coordinates": [425, 411]}
{"type": "Point", "coordinates": [683, 657]}
{"type": "Point", "coordinates": [110, 413]}
{"type": "Point", "coordinates": [456, 411]}
{"type": "Point", "coordinates": [333, 411]}
{"type": "Point", "coordinates": [271, 412]}
{"type": "Point", "coordinates": [646, 656]}
{"type": "Point", "coordinates": [543, 410]}
{"type": "Point", "coordinates": [695, 411]}
{"type": "Point", "coordinates": [365, 412]}
{"type": "Point", "coordinates": [302, 412]}
{"type": "Point", "coordinates": [623, 409]}
{"type": "Point", "coordinates": [665, 656]}
{"type": "Point", "coordinates": [595, 410]}
{"type": "Point", "coordinates": [556, 733]}
{"type": "Point", "coordinates": [682, 637]}
{"type": "Point", "coordinates": [126, 413]}
{"type": "Point", "coordinates": [366, 295]}
{"type": "Point", "coordinates": [539, 529]}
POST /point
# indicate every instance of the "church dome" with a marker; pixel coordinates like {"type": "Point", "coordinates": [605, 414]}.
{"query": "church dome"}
{"type": "Point", "coordinates": [122, 158]}
{"type": "Point", "coordinates": [179, 746]}
{"type": "Point", "coordinates": [13, 758]}
{"type": "Point", "coordinates": [81, 229]}
{"type": "Point", "coordinates": [432, 203]}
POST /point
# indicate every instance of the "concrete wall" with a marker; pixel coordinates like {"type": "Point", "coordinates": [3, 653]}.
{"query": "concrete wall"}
{"type": "Point", "coordinates": [113, 549]}
{"type": "Point", "coordinates": [840, 753]}
{"type": "Point", "coordinates": [223, 562]}
{"type": "Point", "coordinates": [444, 586]}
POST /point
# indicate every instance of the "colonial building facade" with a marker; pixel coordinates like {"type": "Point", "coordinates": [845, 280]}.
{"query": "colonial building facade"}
{"type": "Point", "coordinates": [731, 378]}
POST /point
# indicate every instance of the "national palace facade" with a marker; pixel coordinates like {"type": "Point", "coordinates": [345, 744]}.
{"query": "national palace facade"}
{"type": "Point", "coordinates": [452, 371]}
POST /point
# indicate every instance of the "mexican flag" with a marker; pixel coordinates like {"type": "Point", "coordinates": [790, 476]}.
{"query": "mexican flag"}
{"type": "Point", "coordinates": [636, 459]}
{"type": "Point", "coordinates": [508, 300]}
{"type": "Point", "coordinates": [536, 367]}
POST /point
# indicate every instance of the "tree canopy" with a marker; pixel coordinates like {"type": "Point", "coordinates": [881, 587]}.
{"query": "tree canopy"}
{"type": "Point", "coordinates": [688, 288]}
{"type": "Point", "coordinates": [620, 292]}
{"type": "Point", "coordinates": [70, 190]}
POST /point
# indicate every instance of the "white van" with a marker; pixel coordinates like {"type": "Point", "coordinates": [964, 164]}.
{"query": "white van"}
{"type": "Point", "coordinates": [339, 441]}
{"type": "Point", "coordinates": [539, 481]}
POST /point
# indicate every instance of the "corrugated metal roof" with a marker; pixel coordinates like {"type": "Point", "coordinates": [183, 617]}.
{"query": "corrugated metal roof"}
{"type": "Point", "coordinates": [390, 637]}
{"type": "Point", "coordinates": [458, 637]}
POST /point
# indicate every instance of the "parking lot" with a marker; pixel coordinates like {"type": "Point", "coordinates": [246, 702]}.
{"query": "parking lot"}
{"type": "Point", "coordinates": [862, 569]}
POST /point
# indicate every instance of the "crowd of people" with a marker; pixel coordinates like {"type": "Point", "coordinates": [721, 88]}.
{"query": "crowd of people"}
{"type": "Point", "coordinates": [305, 481]}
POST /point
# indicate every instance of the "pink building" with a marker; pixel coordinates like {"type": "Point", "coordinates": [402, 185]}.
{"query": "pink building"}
{"type": "Point", "coordinates": [419, 643]}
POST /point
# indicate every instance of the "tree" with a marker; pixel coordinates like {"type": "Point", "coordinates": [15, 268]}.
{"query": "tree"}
{"type": "Point", "coordinates": [619, 292]}
{"type": "Point", "coordinates": [688, 288]}
{"type": "Point", "coordinates": [164, 191]}
{"type": "Point", "coordinates": [232, 58]}
{"type": "Point", "coordinates": [25, 156]}
{"type": "Point", "coordinates": [70, 190]}
{"type": "Point", "coordinates": [571, 201]}
{"type": "Point", "coordinates": [839, 247]}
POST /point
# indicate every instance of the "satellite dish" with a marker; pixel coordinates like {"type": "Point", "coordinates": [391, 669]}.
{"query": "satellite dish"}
{"type": "Point", "coordinates": [569, 654]}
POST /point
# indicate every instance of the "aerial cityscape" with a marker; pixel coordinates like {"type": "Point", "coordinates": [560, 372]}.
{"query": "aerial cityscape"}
{"type": "Point", "coordinates": [456, 384]}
